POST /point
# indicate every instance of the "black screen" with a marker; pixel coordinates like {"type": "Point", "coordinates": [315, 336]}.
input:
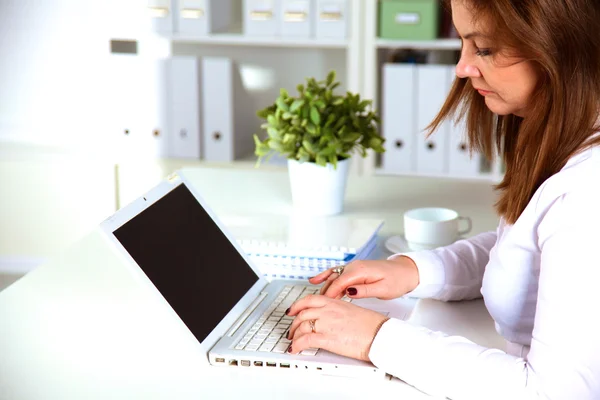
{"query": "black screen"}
{"type": "Point", "coordinates": [189, 260]}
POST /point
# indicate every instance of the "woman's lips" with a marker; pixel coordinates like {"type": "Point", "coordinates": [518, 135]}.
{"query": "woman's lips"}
{"type": "Point", "coordinates": [483, 92]}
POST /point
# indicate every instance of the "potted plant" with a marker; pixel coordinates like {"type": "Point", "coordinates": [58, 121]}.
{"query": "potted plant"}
{"type": "Point", "coordinates": [318, 131]}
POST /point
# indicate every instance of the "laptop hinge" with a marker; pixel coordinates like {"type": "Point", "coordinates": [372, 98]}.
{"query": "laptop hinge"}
{"type": "Point", "coordinates": [247, 313]}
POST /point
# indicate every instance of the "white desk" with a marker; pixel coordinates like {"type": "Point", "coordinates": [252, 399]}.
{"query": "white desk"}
{"type": "Point", "coordinates": [77, 327]}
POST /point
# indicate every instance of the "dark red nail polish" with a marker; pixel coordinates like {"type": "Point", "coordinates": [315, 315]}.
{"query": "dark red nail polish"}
{"type": "Point", "coordinates": [352, 291]}
{"type": "Point", "coordinates": [290, 349]}
{"type": "Point", "coordinates": [287, 311]}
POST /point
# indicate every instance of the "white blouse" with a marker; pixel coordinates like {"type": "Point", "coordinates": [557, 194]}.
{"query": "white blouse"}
{"type": "Point", "coordinates": [539, 279]}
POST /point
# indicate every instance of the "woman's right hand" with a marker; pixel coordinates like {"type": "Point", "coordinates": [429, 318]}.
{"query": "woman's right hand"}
{"type": "Point", "coordinates": [383, 279]}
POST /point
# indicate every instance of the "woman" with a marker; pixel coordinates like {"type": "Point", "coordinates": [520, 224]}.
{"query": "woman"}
{"type": "Point", "coordinates": [528, 85]}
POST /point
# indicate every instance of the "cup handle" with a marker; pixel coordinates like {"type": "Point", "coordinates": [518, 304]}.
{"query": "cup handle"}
{"type": "Point", "coordinates": [469, 225]}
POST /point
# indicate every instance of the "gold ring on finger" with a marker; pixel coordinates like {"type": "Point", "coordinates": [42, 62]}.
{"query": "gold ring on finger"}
{"type": "Point", "coordinates": [339, 269]}
{"type": "Point", "coordinates": [311, 323]}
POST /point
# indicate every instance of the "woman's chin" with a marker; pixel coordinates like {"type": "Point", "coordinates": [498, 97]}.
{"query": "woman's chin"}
{"type": "Point", "coordinates": [499, 108]}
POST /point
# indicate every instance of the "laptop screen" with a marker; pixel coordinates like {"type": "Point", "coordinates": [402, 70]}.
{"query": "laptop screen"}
{"type": "Point", "coordinates": [189, 259]}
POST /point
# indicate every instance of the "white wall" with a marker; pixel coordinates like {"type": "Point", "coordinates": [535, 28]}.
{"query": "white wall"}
{"type": "Point", "coordinates": [52, 58]}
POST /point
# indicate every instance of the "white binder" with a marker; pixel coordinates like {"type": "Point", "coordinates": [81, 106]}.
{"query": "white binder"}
{"type": "Point", "coordinates": [202, 17]}
{"type": "Point", "coordinates": [161, 14]}
{"type": "Point", "coordinates": [432, 90]}
{"type": "Point", "coordinates": [332, 18]}
{"type": "Point", "coordinates": [262, 17]}
{"type": "Point", "coordinates": [398, 118]}
{"type": "Point", "coordinates": [184, 108]}
{"type": "Point", "coordinates": [228, 121]}
{"type": "Point", "coordinates": [297, 18]}
{"type": "Point", "coordinates": [460, 161]}
{"type": "Point", "coordinates": [138, 106]}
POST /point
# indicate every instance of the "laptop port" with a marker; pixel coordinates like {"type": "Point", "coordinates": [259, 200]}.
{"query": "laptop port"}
{"type": "Point", "coordinates": [284, 365]}
{"type": "Point", "coordinates": [319, 369]}
{"type": "Point", "coordinates": [271, 364]}
{"type": "Point", "coordinates": [233, 363]}
{"type": "Point", "coordinates": [245, 363]}
{"type": "Point", "coordinates": [258, 363]}
{"type": "Point", "coordinates": [220, 360]}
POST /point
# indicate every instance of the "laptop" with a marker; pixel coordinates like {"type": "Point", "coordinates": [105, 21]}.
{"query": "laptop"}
{"type": "Point", "coordinates": [176, 246]}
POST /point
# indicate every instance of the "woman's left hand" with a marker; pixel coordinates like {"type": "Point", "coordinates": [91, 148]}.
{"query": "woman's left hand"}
{"type": "Point", "coordinates": [333, 325]}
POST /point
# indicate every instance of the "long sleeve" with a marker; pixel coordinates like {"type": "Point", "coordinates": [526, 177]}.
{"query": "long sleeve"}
{"type": "Point", "coordinates": [564, 359]}
{"type": "Point", "coordinates": [453, 272]}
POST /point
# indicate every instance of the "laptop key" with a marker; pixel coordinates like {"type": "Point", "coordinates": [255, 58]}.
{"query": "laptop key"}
{"type": "Point", "coordinates": [280, 348]}
{"type": "Point", "coordinates": [267, 347]}
{"type": "Point", "coordinates": [309, 352]}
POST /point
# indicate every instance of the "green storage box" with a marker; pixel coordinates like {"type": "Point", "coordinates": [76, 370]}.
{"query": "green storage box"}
{"type": "Point", "coordinates": [409, 19]}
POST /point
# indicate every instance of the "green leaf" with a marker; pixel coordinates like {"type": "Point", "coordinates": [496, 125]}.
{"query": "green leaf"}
{"type": "Point", "coordinates": [308, 146]}
{"type": "Point", "coordinates": [282, 104]}
{"type": "Point", "coordinates": [310, 128]}
{"type": "Point", "coordinates": [315, 116]}
{"type": "Point", "coordinates": [320, 160]}
{"type": "Point", "coordinates": [351, 137]}
{"type": "Point", "coordinates": [272, 132]}
{"type": "Point", "coordinates": [275, 145]}
{"type": "Point", "coordinates": [374, 142]}
{"type": "Point", "coordinates": [303, 155]}
{"type": "Point", "coordinates": [257, 141]}
{"type": "Point", "coordinates": [264, 113]}
{"type": "Point", "coordinates": [330, 78]}
{"type": "Point", "coordinates": [289, 138]}
{"type": "Point", "coordinates": [296, 105]}
{"type": "Point", "coordinates": [284, 93]}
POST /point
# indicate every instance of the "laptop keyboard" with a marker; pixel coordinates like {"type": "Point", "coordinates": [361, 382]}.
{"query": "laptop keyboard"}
{"type": "Point", "coordinates": [269, 333]}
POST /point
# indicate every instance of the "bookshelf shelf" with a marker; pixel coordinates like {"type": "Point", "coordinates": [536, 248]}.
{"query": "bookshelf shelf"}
{"type": "Point", "coordinates": [238, 39]}
{"type": "Point", "coordinates": [439, 44]}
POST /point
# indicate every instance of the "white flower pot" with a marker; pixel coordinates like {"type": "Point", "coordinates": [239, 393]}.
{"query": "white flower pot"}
{"type": "Point", "coordinates": [318, 190]}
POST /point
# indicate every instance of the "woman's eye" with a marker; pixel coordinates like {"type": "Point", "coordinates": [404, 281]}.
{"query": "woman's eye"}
{"type": "Point", "coordinates": [483, 52]}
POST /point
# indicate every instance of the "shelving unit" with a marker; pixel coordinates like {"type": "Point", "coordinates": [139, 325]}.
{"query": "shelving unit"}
{"type": "Point", "coordinates": [375, 49]}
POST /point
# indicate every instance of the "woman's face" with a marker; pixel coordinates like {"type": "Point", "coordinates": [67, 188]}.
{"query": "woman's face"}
{"type": "Point", "coordinates": [506, 81]}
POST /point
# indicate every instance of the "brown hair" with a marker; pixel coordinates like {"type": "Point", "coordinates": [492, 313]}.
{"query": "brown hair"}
{"type": "Point", "coordinates": [561, 38]}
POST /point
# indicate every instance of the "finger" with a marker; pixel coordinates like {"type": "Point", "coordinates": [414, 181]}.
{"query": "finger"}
{"type": "Point", "coordinates": [310, 301]}
{"type": "Point", "coordinates": [328, 282]}
{"type": "Point", "coordinates": [338, 287]}
{"type": "Point", "coordinates": [303, 316]}
{"type": "Point", "coordinates": [315, 280]}
{"type": "Point", "coordinates": [376, 289]}
{"type": "Point", "coordinates": [302, 328]}
{"type": "Point", "coordinates": [309, 340]}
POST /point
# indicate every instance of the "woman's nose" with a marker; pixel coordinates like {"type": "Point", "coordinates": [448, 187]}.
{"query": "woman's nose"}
{"type": "Point", "coordinates": [464, 69]}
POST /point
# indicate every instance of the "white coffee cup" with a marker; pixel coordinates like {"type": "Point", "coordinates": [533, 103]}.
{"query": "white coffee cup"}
{"type": "Point", "coordinates": [428, 228]}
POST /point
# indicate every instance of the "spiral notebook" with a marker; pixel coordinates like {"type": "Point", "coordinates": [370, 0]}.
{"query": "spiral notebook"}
{"type": "Point", "coordinates": [295, 247]}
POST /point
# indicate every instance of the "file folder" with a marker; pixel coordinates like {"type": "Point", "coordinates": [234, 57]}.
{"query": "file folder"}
{"type": "Point", "coordinates": [202, 17]}
{"type": "Point", "coordinates": [184, 108]}
{"type": "Point", "coordinates": [262, 17]}
{"type": "Point", "coordinates": [161, 14]}
{"type": "Point", "coordinates": [332, 19]}
{"type": "Point", "coordinates": [398, 118]}
{"type": "Point", "coordinates": [297, 18]}
{"type": "Point", "coordinates": [138, 106]}
{"type": "Point", "coordinates": [432, 90]}
{"type": "Point", "coordinates": [228, 121]}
